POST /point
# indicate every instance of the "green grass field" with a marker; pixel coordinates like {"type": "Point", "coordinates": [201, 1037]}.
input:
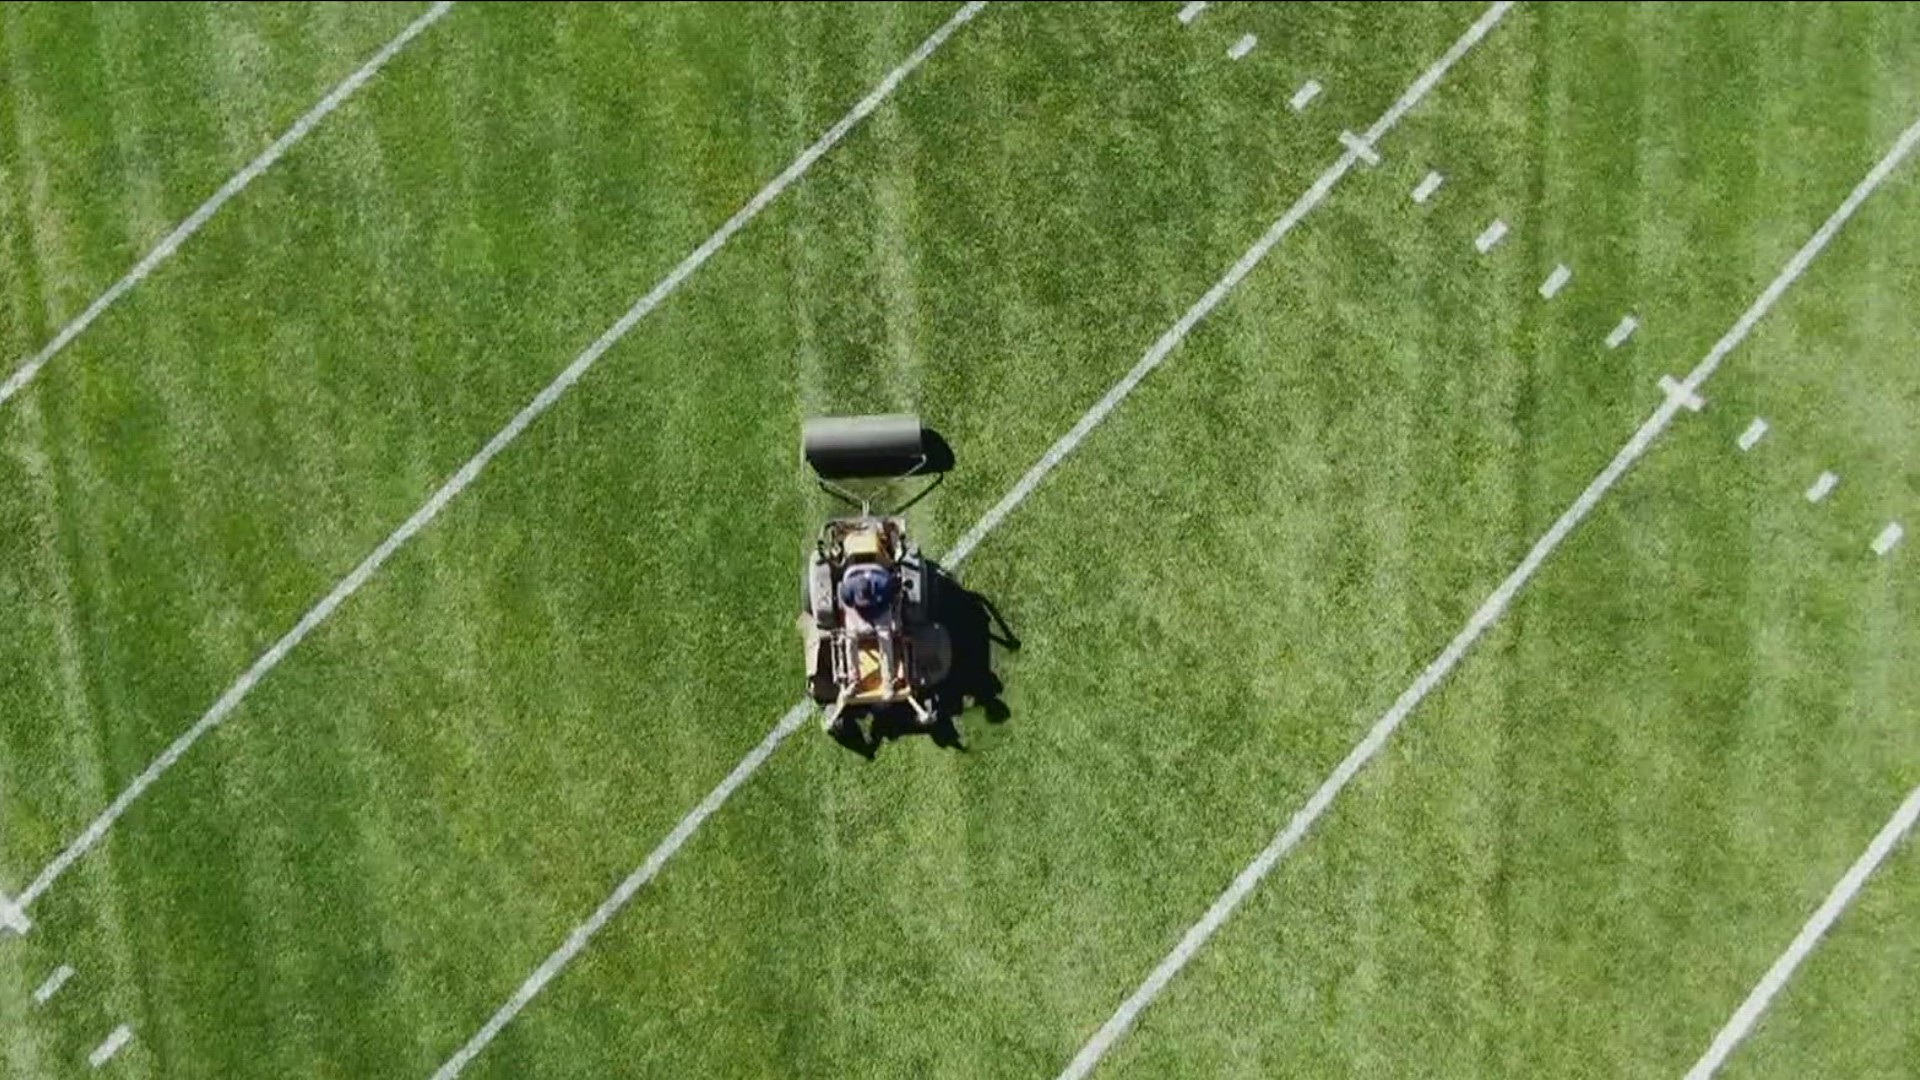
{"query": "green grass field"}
{"type": "Point", "coordinates": [1574, 859]}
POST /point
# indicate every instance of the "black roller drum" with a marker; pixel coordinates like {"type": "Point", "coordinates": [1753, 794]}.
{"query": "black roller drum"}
{"type": "Point", "coordinates": [852, 446]}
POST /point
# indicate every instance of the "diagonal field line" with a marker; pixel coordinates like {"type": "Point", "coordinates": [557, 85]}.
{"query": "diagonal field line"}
{"type": "Point", "coordinates": [1488, 613]}
{"type": "Point", "coordinates": [181, 232]}
{"type": "Point", "coordinates": [13, 917]}
{"type": "Point", "coordinates": [582, 934]}
{"type": "Point", "coordinates": [1315, 194]}
{"type": "Point", "coordinates": [468, 472]}
{"type": "Point", "coordinates": [1776, 977]}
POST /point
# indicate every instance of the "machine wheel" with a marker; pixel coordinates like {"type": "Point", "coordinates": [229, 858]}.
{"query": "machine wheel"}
{"type": "Point", "coordinates": [916, 582]}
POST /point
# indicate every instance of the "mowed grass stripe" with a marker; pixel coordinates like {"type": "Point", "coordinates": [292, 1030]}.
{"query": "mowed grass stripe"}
{"type": "Point", "coordinates": [114, 121]}
{"type": "Point", "coordinates": [699, 931]}
{"type": "Point", "coordinates": [613, 591]}
{"type": "Point", "coordinates": [901, 925]}
{"type": "Point", "coordinates": [1755, 1005]}
{"type": "Point", "coordinates": [460, 479]}
{"type": "Point", "coordinates": [1583, 924]}
{"type": "Point", "coordinates": [692, 390]}
{"type": "Point", "coordinates": [1834, 1016]}
{"type": "Point", "coordinates": [192, 224]}
{"type": "Point", "coordinates": [114, 125]}
{"type": "Point", "coordinates": [1297, 827]}
{"type": "Point", "coordinates": [572, 711]}
{"type": "Point", "coordinates": [1028, 482]}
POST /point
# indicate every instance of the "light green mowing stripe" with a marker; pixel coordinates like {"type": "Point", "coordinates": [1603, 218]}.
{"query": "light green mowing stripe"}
{"type": "Point", "coordinates": [577, 940]}
{"type": "Point", "coordinates": [467, 473]}
{"type": "Point", "coordinates": [1681, 395]}
{"type": "Point", "coordinates": [1357, 150]}
{"type": "Point", "coordinates": [1770, 984]}
{"type": "Point", "coordinates": [234, 185]}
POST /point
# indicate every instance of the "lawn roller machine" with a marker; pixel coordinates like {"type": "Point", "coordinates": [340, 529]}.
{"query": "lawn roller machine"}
{"type": "Point", "coordinates": [866, 598]}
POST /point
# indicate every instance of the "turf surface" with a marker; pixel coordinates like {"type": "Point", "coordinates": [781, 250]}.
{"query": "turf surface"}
{"type": "Point", "coordinates": [1575, 859]}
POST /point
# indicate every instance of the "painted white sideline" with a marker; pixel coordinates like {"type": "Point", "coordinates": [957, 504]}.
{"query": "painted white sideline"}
{"type": "Point", "coordinates": [1490, 236]}
{"type": "Point", "coordinates": [105, 1051]}
{"type": "Point", "coordinates": [1888, 537]}
{"type": "Point", "coordinates": [234, 185]}
{"type": "Point", "coordinates": [500, 441]}
{"type": "Point", "coordinates": [1822, 486]}
{"type": "Point", "coordinates": [1556, 281]}
{"type": "Point", "coordinates": [1192, 11]}
{"type": "Point", "coordinates": [1751, 437]}
{"type": "Point", "coordinates": [1495, 605]}
{"type": "Point", "coordinates": [1243, 46]}
{"type": "Point", "coordinates": [1628, 324]}
{"type": "Point", "coordinates": [45, 991]}
{"type": "Point", "coordinates": [581, 935]}
{"type": "Point", "coordinates": [1844, 890]}
{"type": "Point", "coordinates": [1301, 97]}
{"type": "Point", "coordinates": [1426, 187]}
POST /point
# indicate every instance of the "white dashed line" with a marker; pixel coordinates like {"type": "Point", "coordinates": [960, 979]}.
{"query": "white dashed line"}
{"type": "Point", "coordinates": [1243, 46]}
{"type": "Point", "coordinates": [1821, 487]}
{"type": "Point", "coordinates": [105, 1051]}
{"type": "Point", "coordinates": [1888, 537]}
{"type": "Point", "coordinates": [1192, 11]}
{"type": "Point", "coordinates": [1295, 830]}
{"type": "Point", "coordinates": [1427, 186]}
{"type": "Point", "coordinates": [1751, 437]}
{"type": "Point", "coordinates": [1490, 236]}
{"type": "Point", "coordinates": [53, 984]}
{"type": "Point", "coordinates": [1556, 281]}
{"type": "Point", "coordinates": [1622, 332]}
{"type": "Point", "coordinates": [583, 934]}
{"type": "Point", "coordinates": [1301, 97]}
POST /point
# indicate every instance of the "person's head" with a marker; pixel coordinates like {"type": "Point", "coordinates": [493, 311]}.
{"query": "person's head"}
{"type": "Point", "coordinates": [867, 588]}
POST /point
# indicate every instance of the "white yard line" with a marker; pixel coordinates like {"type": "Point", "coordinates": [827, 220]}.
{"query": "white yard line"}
{"type": "Point", "coordinates": [1627, 325]}
{"type": "Point", "coordinates": [578, 939]}
{"type": "Point", "coordinates": [105, 1051]}
{"type": "Point", "coordinates": [1179, 330]}
{"type": "Point", "coordinates": [183, 231]}
{"type": "Point", "coordinates": [1361, 148]}
{"type": "Point", "coordinates": [1490, 236]}
{"type": "Point", "coordinates": [1680, 392]}
{"type": "Point", "coordinates": [581, 935]}
{"type": "Point", "coordinates": [1428, 184]}
{"type": "Point", "coordinates": [1489, 612]}
{"type": "Point", "coordinates": [44, 993]}
{"type": "Point", "coordinates": [13, 916]}
{"type": "Point", "coordinates": [500, 441]}
{"type": "Point", "coordinates": [1305, 95]}
{"type": "Point", "coordinates": [1192, 11]}
{"type": "Point", "coordinates": [1243, 46]}
{"type": "Point", "coordinates": [1888, 537]}
{"type": "Point", "coordinates": [1751, 437]}
{"type": "Point", "coordinates": [1821, 487]}
{"type": "Point", "coordinates": [1823, 918]}
{"type": "Point", "coordinates": [1556, 281]}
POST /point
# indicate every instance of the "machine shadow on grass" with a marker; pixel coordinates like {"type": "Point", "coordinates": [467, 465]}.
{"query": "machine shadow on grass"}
{"type": "Point", "coordinates": [975, 627]}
